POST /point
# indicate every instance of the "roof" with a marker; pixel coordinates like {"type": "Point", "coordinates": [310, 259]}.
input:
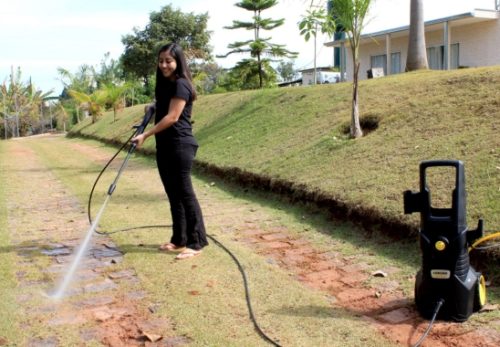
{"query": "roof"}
{"type": "Point", "coordinates": [323, 68]}
{"type": "Point", "coordinates": [467, 18]}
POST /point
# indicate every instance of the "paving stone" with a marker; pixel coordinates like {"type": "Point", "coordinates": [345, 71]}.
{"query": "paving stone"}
{"type": "Point", "coordinates": [88, 335]}
{"type": "Point", "coordinates": [121, 274]}
{"type": "Point", "coordinates": [170, 342]}
{"type": "Point", "coordinates": [20, 275]}
{"type": "Point", "coordinates": [23, 298]}
{"type": "Point", "coordinates": [274, 237]}
{"type": "Point", "coordinates": [68, 318]}
{"type": "Point", "coordinates": [324, 280]}
{"type": "Point", "coordinates": [398, 316]}
{"type": "Point", "coordinates": [350, 295]}
{"type": "Point", "coordinates": [63, 259]}
{"type": "Point", "coordinates": [86, 275]}
{"type": "Point", "coordinates": [137, 295]}
{"type": "Point", "coordinates": [55, 268]}
{"type": "Point", "coordinates": [277, 244]}
{"type": "Point", "coordinates": [47, 342]}
{"type": "Point", "coordinates": [56, 251]}
{"type": "Point", "coordinates": [107, 284]}
{"type": "Point", "coordinates": [102, 314]}
{"type": "Point", "coordinates": [96, 301]}
{"type": "Point", "coordinates": [93, 263]}
{"type": "Point", "coordinates": [106, 253]}
{"type": "Point", "coordinates": [26, 251]}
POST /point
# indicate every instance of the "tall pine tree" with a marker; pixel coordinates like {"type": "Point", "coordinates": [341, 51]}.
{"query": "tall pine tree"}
{"type": "Point", "coordinates": [258, 47]}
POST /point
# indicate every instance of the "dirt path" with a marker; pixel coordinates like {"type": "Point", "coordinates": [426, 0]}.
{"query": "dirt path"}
{"type": "Point", "coordinates": [99, 310]}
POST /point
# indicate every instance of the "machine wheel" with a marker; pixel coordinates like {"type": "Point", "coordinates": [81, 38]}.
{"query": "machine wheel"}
{"type": "Point", "coordinates": [480, 296]}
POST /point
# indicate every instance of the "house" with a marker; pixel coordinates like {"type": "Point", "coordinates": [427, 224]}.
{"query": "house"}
{"type": "Point", "coordinates": [465, 40]}
{"type": "Point", "coordinates": [323, 75]}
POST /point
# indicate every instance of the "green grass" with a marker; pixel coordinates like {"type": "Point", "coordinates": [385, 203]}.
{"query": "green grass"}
{"type": "Point", "coordinates": [8, 282]}
{"type": "Point", "coordinates": [297, 135]}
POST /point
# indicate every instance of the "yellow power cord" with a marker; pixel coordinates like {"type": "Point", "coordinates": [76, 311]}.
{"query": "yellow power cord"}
{"type": "Point", "coordinates": [483, 239]}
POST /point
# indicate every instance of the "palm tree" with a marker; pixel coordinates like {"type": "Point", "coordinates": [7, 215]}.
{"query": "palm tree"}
{"type": "Point", "coordinates": [82, 81]}
{"type": "Point", "coordinates": [22, 103]}
{"type": "Point", "coordinates": [114, 97]}
{"type": "Point", "coordinates": [91, 103]}
{"type": "Point", "coordinates": [350, 15]}
{"type": "Point", "coordinates": [417, 53]}
{"type": "Point", "coordinates": [309, 26]}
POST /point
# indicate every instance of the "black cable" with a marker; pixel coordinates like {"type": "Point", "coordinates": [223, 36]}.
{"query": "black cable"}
{"type": "Point", "coordinates": [218, 243]}
{"type": "Point", "coordinates": [436, 311]}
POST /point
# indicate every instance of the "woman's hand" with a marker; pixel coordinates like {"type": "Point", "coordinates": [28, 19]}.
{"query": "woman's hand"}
{"type": "Point", "coordinates": [151, 106]}
{"type": "Point", "coordinates": [138, 140]}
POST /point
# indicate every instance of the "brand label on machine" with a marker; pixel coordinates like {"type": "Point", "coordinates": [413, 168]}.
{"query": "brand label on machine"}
{"type": "Point", "coordinates": [440, 274]}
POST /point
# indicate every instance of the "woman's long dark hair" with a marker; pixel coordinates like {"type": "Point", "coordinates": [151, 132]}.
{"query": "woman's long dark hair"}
{"type": "Point", "coordinates": [182, 70]}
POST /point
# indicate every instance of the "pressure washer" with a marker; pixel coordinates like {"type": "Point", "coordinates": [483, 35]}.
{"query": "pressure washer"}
{"type": "Point", "coordinates": [446, 281]}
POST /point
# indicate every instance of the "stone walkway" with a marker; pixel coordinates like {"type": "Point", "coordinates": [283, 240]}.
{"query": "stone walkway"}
{"type": "Point", "coordinates": [104, 303]}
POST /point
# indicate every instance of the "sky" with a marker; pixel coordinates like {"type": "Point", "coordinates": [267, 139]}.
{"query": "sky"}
{"type": "Point", "coordinates": [40, 36]}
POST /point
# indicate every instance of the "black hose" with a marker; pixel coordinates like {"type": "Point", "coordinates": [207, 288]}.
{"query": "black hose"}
{"type": "Point", "coordinates": [218, 243]}
{"type": "Point", "coordinates": [247, 293]}
{"type": "Point", "coordinates": [436, 311]}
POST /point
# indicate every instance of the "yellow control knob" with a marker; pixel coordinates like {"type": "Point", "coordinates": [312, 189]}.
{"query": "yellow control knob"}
{"type": "Point", "coordinates": [440, 245]}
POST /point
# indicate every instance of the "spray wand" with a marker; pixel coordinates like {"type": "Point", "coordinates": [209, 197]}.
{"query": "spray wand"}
{"type": "Point", "coordinates": [86, 241]}
{"type": "Point", "coordinates": [139, 129]}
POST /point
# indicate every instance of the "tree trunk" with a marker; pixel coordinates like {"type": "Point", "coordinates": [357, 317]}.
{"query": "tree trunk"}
{"type": "Point", "coordinates": [261, 77]}
{"type": "Point", "coordinates": [314, 70]}
{"type": "Point", "coordinates": [355, 125]}
{"type": "Point", "coordinates": [417, 53]}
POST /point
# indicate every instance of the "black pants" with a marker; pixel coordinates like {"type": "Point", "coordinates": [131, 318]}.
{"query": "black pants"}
{"type": "Point", "coordinates": [174, 165]}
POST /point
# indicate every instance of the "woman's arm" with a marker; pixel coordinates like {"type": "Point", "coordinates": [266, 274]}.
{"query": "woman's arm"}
{"type": "Point", "coordinates": [174, 112]}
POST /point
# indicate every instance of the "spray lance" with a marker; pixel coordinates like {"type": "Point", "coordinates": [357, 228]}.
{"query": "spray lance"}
{"type": "Point", "coordinates": [139, 129]}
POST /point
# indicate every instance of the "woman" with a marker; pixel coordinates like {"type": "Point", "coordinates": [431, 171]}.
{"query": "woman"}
{"type": "Point", "coordinates": [175, 150]}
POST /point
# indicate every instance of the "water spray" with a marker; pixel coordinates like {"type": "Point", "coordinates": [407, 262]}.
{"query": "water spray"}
{"type": "Point", "coordinates": [59, 293]}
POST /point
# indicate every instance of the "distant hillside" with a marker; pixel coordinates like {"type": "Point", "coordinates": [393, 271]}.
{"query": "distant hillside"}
{"type": "Point", "coordinates": [293, 140]}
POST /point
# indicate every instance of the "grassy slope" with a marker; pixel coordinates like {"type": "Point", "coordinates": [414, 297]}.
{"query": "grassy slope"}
{"type": "Point", "coordinates": [295, 134]}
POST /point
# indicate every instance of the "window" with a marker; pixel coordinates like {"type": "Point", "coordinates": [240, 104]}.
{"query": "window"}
{"type": "Point", "coordinates": [395, 62]}
{"type": "Point", "coordinates": [435, 57]}
{"type": "Point", "coordinates": [380, 61]}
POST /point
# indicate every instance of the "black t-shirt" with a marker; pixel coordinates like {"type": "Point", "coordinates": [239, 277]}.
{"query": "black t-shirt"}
{"type": "Point", "coordinates": [181, 131]}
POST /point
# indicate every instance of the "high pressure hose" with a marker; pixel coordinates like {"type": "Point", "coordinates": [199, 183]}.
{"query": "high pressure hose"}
{"type": "Point", "coordinates": [436, 311]}
{"type": "Point", "coordinates": [218, 243]}
{"type": "Point", "coordinates": [484, 239]}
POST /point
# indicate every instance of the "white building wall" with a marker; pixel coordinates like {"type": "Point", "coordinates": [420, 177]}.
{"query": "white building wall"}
{"type": "Point", "coordinates": [479, 45]}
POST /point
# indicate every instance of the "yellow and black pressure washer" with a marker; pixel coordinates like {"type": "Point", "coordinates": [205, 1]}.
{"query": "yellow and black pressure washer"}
{"type": "Point", "coordinates": [446, 282]}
